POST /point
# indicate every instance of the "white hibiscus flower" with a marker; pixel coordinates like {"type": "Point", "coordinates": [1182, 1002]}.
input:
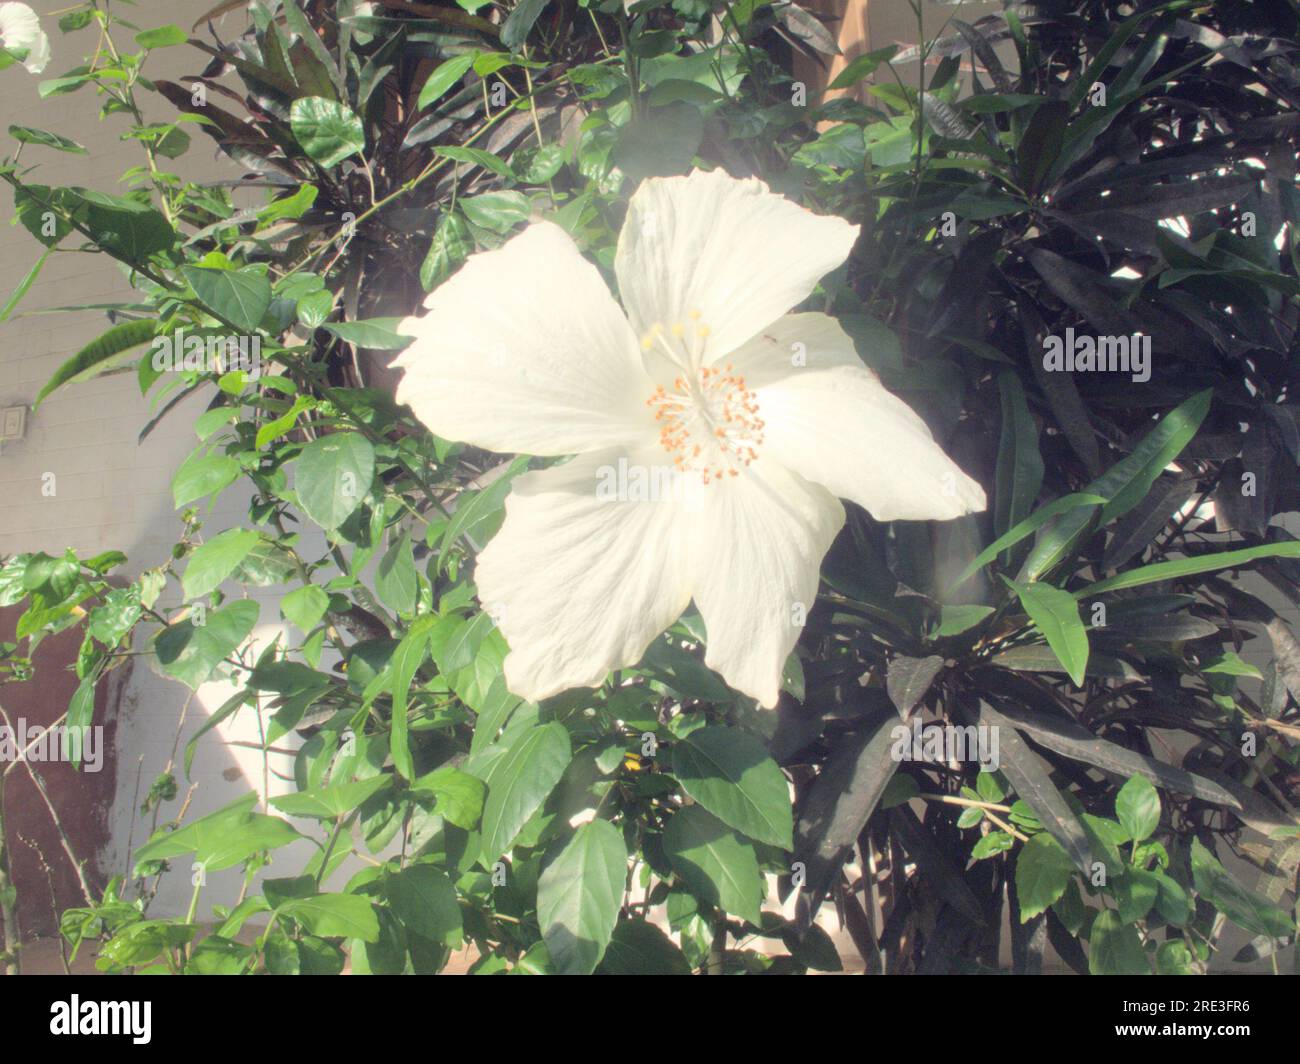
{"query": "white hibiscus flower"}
{"type": "Point", "coordinates": [769, 416]}
{"type": "Point", "coordinates": [21, 34]}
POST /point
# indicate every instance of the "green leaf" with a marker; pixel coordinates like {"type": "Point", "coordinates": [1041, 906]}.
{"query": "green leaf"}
{"type": "Point", "coordinates": [1056, 615]}
{"type": "Point", "coordinates": [1025, 528]}
{"type": "Point", "coordinates": [450, 246]}
{"type": "Point", "coordinates": [1203, 563]}
{"type": "Point", "coordinates": [27, 135]}
{"type": "Point", "coordinates": [406, 660]}
{"type": "Point", "coordinates": [476, 157]}
{"type": "Point", "coordinates": [332, 802]}
{"type": "Point", "coordinates": [332, 477]}
{"type": "Point", "coordinates": [327, 131]}
{"type": "Point", "coordinates": [215, 560]}
{"type": "Point", "coordinates": [514, 31]}
{"type": "Point", "coordinates": [861, 67]}
{"type": "Point", "coordinates": [334, 916]}
{"type": "Point", "coordinates": [1019, 465]}
{"type": "Point", "coordinates": [1043, 870]}
{"type": "Point", "coordinates": [444, 77]}
{"type": "Point", "coordinates": [424, 900]}
{"type": "Point", "coordinates": [377, 333]}
{"type": "Point", "coordinates": [81, 711]}
{"type": "Point", "coordinates": [24, 286]}
{"type": "Point", "coordinates": [459, 795]}
{"type": "Point", "coordinates": [124, 227]}
{"type": "Point", "coordinates": [239, 297]}
{"type": "Point", "coordinates": [190, 654]}
{"type": "Point", "coordinates": [638, 947]}
{"type": "Point", "coordinates": [497, 211]}
{"type": "Point", "coordinates": [579, 895]}
{"type": "Point", "coordinates": [1243, 907]}
{"type": "Point", "coordinates": [98, 355]}
{"type": "Point", "coordinates": [731, 774]}
{"type": "Point", "coordinates": [395, 581]}
{"type": "Point", "coordinates": [1137, 808]}
{"type": "Point", "coordinates": [661, 143]}
{"type": "Point", "coordinates": [305, 606]}
{"type": "Point", "coordinates": [715, 863]}
{"type": "Point", "coordinates": [222, 839]}
{"type": "Point", "coordinates": [201, 475]}
{"type": "Point", "coordinates": [1115, 948]}
{"type": "Point", "coordinates": [519, 782]}
{"type": "Point", "coordinates": [1126, 483]}
{"type": "Point", "coordinates": [161, 37]}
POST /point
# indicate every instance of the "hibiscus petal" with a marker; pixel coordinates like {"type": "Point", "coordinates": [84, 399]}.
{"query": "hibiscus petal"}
{"type": "Point", "coordinates": [581, 582]}
{"type": "Point", "coordinates": [756, 550]}
{"type": "Point", "coordinates": [20, 29]}
{"type": "Point", "coordinates": [828, 417]}
{"type": "Point", "coordinates": [525, 350]}
{"type": "Point", "coordinates": [704, 262]}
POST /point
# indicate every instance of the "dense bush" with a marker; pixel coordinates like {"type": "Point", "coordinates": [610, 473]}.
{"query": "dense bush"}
{"type": "Point", "coordinates": [1058, 171]}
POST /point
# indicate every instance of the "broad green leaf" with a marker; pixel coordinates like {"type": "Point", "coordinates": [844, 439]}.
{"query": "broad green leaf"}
{"type": "Point", "coordinates": [715, 863]}
{"type": "Point", "coordinates": [332, 802]}
{"type": "Point", "coordinates": [201, 475]}
{"type": "Point", "coordinates": [514, 31]}
{"type": "Point", "coordinates": [862, 66]}
{"type": "Point", "coordinates": [161, 37]}
{"type": "Point", "coordinates": [98, 355]}
{"type": "Point", "coordinates": [334, 916]}
{"type": "Point", "coordinates": [239, 297]}
{"type": "Point", "coordinates": [124, 227]}
{"type": "Point", "coordinates": [1055, 613]}
{"type": "Point", "coordinates": [1043, 869]}
{"type": "Point", "coordinates": [332, 477]}
{"type": "Point", "coordinates": [731, 774]}
{"type": "Point", "coordinates": [497, 211]}
{"type": "Point", "coordinates": [519, 782]}
{"type": "Point", "coordinates": [190, 654]}
{"type": "Point", "coordinates": [638, 947]}
{"type": "Point", "coordinates": [450, 246]}
{"type": "Point", "coordinates": [424, 900]}
{"type": "Point", "coordinates": [214, 561]}
{"type": "Point", "coordinates": [327, 131]}
{"type": "Point", "coordinates": [459, 795]}
{"type": "Point", "coordinates": [305, 606]}
{"type": "Point", "coordinates": [1115, 948]}
{"type": "Point", "coordinates": [1137, 807]}
{"type": "Point", "coordinates": [579, 895]}
{"type": "Point", "coordinates": [444, 77]}
{"type": "Point", "coordinates": [396, 583]}
{"type": "Point", "coordinates": [377, 333]}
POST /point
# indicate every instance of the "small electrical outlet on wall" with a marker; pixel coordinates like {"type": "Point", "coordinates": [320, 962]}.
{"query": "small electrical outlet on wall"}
{"type": "Point", "coordinates": [13, 423]}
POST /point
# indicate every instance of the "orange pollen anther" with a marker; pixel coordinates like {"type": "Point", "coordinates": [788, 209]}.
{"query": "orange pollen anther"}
{"type": "Point", "coordinates": [708, 422]}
